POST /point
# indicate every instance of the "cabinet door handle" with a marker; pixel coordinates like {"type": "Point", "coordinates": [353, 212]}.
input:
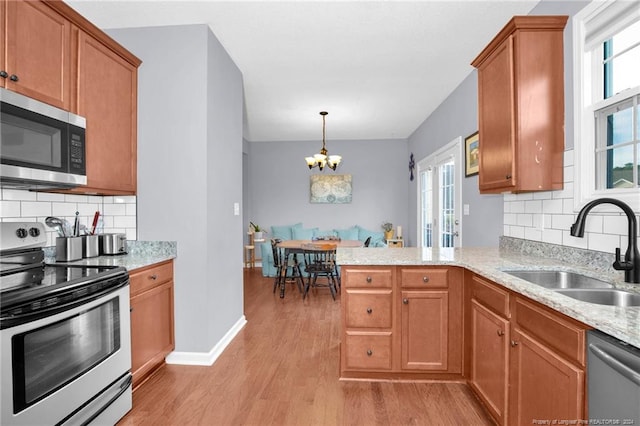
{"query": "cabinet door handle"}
{"type": "Point", "coordinates": [153, 277]}
{"type": "Point", "coordinates": [369, 352]}
{"type": "Point", "coordinates": [369, 279]}
{"type": "Point", "coordinates": [425, 279]}
{"type": "Point", "coordinates": [500, 333]}
{"type": "Point", "coordinates": [508, 177]}
{"type": "Point", "coordinates": [4, 74]}
{"type": "Point", "coordinates": [405, 301]}
{"type": "Point", "coordinates": [369, 310]}
{"type": "Point", "coordinates": [514, 343]}
{"type": "Point", "coordinates": [13, 77]}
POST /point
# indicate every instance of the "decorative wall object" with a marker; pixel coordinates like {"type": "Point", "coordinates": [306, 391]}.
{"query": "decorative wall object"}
{"type": "Point", "coordinates": [471, 154]}
{"type": "Point", "coordinates": [331, 189]}
{"type": "Point", "coordinates": [412, 166]}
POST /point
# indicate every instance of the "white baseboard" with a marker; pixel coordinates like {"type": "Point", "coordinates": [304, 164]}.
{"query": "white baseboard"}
{"type": "Point", "coordinates": [208, 358]}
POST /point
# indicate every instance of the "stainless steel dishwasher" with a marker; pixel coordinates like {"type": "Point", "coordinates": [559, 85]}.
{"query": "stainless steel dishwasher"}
{"type": "Point", "coordinates": [613, 380]}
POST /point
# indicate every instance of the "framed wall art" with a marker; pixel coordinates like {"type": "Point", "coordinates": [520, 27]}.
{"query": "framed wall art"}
{"type": "Point", "coordinates": [471, 154]}
{"type": "Point", "coordinates": [330, 189]}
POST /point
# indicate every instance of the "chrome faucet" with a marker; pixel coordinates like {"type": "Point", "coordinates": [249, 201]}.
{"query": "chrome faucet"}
{"type": "Point", "coordinates": [631, 263]}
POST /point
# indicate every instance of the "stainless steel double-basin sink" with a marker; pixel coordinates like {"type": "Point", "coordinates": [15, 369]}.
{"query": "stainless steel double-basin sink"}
{"type": "Point", "coordinates": [580, 287]}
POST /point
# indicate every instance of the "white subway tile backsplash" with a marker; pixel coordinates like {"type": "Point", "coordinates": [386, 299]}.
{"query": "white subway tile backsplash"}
{"type": "Point", "coordinates": [616, 224]}
{"type": "Point", "coordinates": [63, 209]}
{"type": "Point", "coordinates": [18, 195]}
{"type": "Point", "coordinates": [562, 221]}
{"type": "Point", "coordinates": [532, 234]}
{"type": "Point", "coordinates": [124, 222]}
{"type": "Point", "coordinates": [115, 210]}
{"type": "Point", "coordinates": [552, 236]}
{"type": "Point", "coordinates": [49, 196]}
{"type": "Point", "coordinates": [552, 206]}
{"type": "Point", "coordinates": [603, 242]}
{"type": "Point", "coordinates": [547, 216]}
{"type": "Point", "coordinates": [117, 214]}
{"type": "Point", "coordinates": [593, 224]}
{"type": "Point", "coordinates": [33, 208]}
{"type": "Point", "coordinates": [525, 219]}
{"type": "Point", "coordinates": [10, 208]}
{"type": "Point", "coordinates": [510, 219]}
{"type": "Point", "coordinates": [568, 240]}
{"type": "Point", "coordinates": [542, 195]}
{"type": "Point", "coordinates": [516, 232]}
{"type": "Point", "coordinates": [533, 206]}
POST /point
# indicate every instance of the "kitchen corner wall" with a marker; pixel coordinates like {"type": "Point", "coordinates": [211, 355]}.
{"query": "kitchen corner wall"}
{"type": "Point", "coordinates": [118, 213]}
{"type": "Point", "coordinates": [547, 217]}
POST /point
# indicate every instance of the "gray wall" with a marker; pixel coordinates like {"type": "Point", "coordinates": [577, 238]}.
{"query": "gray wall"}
{"type": "Point", "coordinates": [190, 172]}
{"type": "Point", "coordinates": [279, 183]}
{"type": "Point", "coordinates": [458, 116]}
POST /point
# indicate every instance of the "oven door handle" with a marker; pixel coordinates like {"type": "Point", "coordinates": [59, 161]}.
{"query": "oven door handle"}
{"type": "Point", "coordinates": [93, 408]}
{"type": "Point", "coordinates": [15, 319]}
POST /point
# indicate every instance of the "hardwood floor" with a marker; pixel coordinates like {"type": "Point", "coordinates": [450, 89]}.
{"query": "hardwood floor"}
{"type": "Point", "coordinates": [282, 369]}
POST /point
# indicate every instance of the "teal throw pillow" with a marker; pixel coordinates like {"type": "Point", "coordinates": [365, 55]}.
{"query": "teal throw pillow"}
{"type": "Point", "coordinates": [304, 234]}
{"type": "Point", "coordinates": [284, 232]}
{"type": "Point", "coordinates": [347, 234]}
{"type": "Point", "coordinates": [377, 238]}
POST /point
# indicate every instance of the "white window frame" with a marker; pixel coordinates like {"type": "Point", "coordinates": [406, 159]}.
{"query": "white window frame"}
{"type": "Point", "coordinates": [597, 22]}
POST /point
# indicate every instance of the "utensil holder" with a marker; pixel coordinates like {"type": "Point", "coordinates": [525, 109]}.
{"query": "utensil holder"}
{"type": "Point", "coordinates": [90, 247]}
{"type": "Point", "coordinates": [68, 249]}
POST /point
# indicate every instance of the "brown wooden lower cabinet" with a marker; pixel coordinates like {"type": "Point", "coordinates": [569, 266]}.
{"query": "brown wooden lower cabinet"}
{"type": "Point", "coordinates": [401, 322]}
{"type": "Point", "coordinates": [152, 322]}
{"type": "Point", "coordinates": [489, 369]}
{"type": "Point", "coordinates": [526, 361]}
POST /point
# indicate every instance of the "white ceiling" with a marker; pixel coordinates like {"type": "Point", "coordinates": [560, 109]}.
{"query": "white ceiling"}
{"type": "Point", "coordinates": [379, 68]}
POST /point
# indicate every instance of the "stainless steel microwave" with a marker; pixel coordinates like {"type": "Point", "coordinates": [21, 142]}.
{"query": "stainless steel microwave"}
{"type": "Point", "coordinates": [41, 146]}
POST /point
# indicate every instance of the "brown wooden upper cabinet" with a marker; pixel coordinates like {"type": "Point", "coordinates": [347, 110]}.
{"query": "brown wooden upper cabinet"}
{"type": "Point", "coordinates": [35, 52]}
{"type": "Point", "coordinates": [107, 98]}
{"type": "Point", "coordinates": [51, 53]}
{"type": "Point", "coordinates": [521, 106]}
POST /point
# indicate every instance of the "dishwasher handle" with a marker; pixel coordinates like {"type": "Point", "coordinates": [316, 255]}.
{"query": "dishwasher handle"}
{"type": "Point", "coordinates": [627, 371]}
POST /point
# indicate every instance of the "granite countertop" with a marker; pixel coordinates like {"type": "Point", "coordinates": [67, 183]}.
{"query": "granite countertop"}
{"type": "Point", "coordinates": [139, 254]}
{"type": "Point", "coordinates": [620, 322]}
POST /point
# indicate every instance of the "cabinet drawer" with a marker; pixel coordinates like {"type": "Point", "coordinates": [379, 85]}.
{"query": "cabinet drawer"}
{"type": "Point", "coordinates": [565, 336]}
{"type": "Point", "coordinates": [424, 278]}
{"type": "Point", "coordinates": [370, 351]}
{"type": "Point", "coordinates": [368, 308]}
{"type": "Point", "coordinates": [144, 279]}
{"type": "Point", "coordinates": [367, 277]}
{"type": "Point", "coordinates": [491, 296]}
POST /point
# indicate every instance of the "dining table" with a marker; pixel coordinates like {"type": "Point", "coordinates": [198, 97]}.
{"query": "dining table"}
{"type": "Point", "coordinates": [295, 247]}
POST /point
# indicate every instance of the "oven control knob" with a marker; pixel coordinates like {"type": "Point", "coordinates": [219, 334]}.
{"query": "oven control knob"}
{"type": "Point", "coordinates": [34, 232]}
{"type": "Point", "coordinates": [21, 233]}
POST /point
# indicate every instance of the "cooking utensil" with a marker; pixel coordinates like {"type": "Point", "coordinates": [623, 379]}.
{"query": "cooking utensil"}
{"type": "Point", "coordinates": [57, 224]}
{"type": "Point", "coordinates": [95, 222]}
{"type": "Point", "coordinates": [76, 225]}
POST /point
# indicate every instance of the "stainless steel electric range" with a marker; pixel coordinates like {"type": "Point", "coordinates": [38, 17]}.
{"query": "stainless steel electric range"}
{"type": "Point", "coordinates": [65, 336]}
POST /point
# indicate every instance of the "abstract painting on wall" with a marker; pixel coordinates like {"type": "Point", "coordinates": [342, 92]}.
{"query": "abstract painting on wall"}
{"type": "Point", "coordinates": [332, 189]}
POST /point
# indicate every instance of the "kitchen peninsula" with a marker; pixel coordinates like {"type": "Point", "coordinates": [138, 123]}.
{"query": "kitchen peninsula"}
{"type": "Point", "coordinates": [456, 314]}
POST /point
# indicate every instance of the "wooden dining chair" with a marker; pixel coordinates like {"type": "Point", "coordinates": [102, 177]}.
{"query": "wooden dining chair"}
{"type": "Point", "coordinates": [320, 262]}
{"type": "Point", "coordinates": [285, 274]}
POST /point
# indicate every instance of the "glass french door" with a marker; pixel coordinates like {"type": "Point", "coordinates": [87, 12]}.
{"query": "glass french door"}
{"type": "Point", "coordinates": [439, 179]}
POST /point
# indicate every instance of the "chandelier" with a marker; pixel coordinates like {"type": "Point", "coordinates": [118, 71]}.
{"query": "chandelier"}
{"type": "Point", "coordinates": [322, 159]}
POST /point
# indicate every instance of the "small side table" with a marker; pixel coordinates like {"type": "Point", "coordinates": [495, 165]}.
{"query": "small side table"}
{"type": "Point", "coordinates": [250, 251]}
{"type": "Point", "coordinates": [395, 243]}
